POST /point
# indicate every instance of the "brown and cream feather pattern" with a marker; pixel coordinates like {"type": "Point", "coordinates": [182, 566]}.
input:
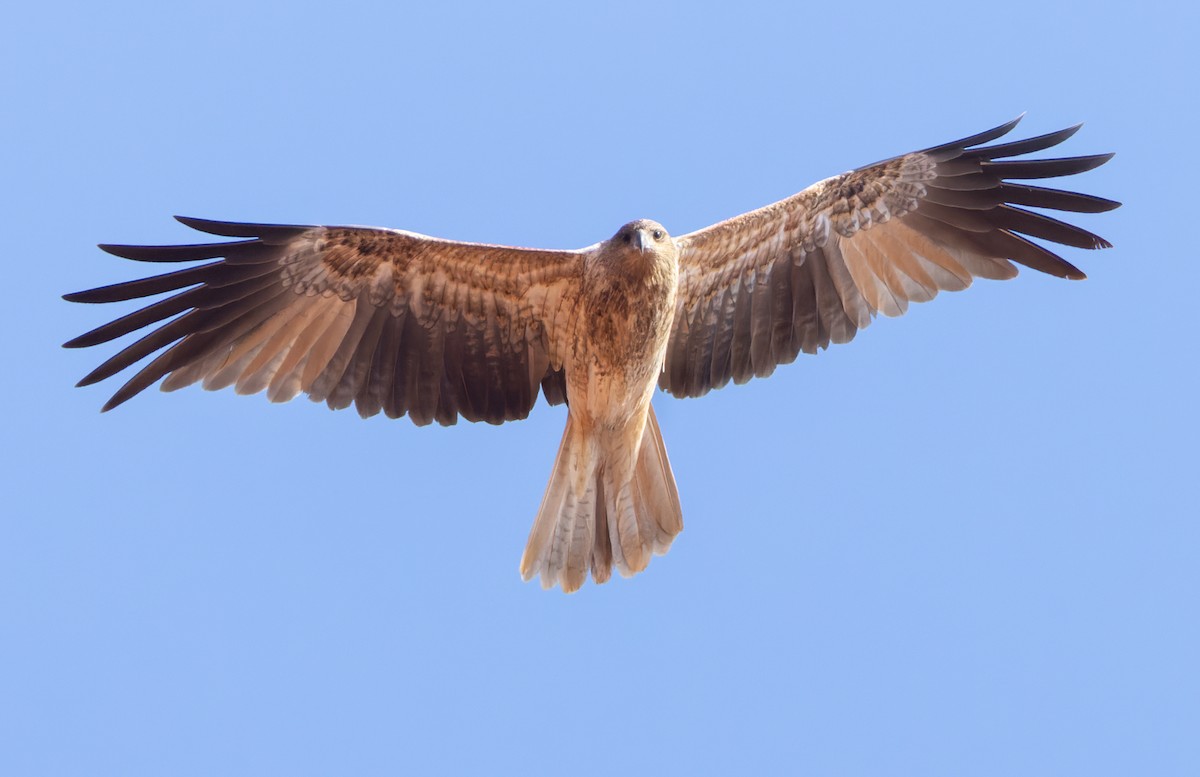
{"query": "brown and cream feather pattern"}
{"type": "Point", "coordinates": [435, 329]}
{"type": "Point", "coordinates": [389, 321]}
{"type": "Point", "coordinates": [813, 269]}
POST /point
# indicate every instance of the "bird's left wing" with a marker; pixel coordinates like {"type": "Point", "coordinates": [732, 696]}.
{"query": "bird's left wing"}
{"type": "Point", "coordinates": [384, 319]}
{"type": "Point", "coordinates": [815, 268]}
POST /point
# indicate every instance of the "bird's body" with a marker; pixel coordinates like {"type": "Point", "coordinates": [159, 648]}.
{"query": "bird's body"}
{"type": "Point", "coordinates": [601, 506]}
{"type": "Point", "coordinates": [627, 301]}
{"type": "Point", "coordinates": [435, 329]}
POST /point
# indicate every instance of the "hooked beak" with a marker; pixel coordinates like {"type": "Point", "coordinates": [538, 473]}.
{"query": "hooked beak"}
{"type": "Point", "coordinates": [641, 240]}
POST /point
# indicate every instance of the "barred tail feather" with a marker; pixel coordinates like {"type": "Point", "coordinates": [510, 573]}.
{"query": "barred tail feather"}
{"type": "Point", "coordinates": [647, 510]}
{"type": "Point", "coordinates": [553, 545]}
{"type": "Point", "coordinates": [610, 522]}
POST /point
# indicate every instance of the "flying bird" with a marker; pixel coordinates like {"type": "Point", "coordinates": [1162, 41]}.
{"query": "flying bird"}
{"type": "Point", "coordinates": [394, 321]}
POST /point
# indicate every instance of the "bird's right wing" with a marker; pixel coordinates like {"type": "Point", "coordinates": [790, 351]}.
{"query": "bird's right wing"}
{"type": "Point", "coordinates": [794, 276]}
{"type": "Point", "coordinates": [387, 320]}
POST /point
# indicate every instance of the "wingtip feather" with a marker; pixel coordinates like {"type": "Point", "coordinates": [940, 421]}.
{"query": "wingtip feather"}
{"type": "Point", "coordinates": [211, 227]}
{"type": "Point", "coordinates": [114, 248]}
{"type": "Point", "coordinates": [995, 132]}
{"type": "Point", "coordinates": [977, 139]}
{"type": "Point", "coordinates": [244, 229]}
{"type": "Point", "coordinates": [92, 377]}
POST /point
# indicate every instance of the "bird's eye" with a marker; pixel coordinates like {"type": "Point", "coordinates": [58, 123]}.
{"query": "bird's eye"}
{"type": "Point", "coordinates": [658, 234]}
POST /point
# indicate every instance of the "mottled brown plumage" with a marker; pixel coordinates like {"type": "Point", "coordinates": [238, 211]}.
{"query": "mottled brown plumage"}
{"type": "Point", "coordinates": [406, 324]}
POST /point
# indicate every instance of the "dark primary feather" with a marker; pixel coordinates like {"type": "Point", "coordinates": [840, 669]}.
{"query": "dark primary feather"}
{"type": "Point", "coordinates": [811, 270]}
{"type": "Point", "coordinates": [181, 253]}
{"type": "Point", "coordinates": [1018, 147]}
{"type": "Point", "coordinates": [1045, 168]}
{"type": "Point", "coordinates": [267, 233]}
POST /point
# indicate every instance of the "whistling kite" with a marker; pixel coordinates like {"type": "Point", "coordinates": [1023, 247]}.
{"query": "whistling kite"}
{"type": "Point", "coordinates": [408, 324]}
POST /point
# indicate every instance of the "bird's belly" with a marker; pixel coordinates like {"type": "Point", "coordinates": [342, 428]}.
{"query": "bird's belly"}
{"type": "Point", "coordinates": [615, 396]}
{"type": "Point", "coordinates": [622, 359]}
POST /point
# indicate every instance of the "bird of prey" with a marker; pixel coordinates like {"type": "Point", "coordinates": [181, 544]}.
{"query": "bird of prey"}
{"type": "Point", "coordinates": [395, 321]}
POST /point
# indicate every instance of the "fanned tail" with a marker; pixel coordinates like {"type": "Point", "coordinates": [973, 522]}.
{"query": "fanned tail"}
{"type": "Point", "coordinates": [592, 516]}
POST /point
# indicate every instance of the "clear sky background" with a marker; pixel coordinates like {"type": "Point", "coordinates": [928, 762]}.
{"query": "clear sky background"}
{"type": "Point", "coordinates": [964, 544]}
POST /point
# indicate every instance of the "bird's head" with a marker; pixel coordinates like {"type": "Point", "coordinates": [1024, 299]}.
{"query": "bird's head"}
{"type": "Point", "coordinates": [644, 236]}
{"type": "Point", "coordinates": [640, 249]}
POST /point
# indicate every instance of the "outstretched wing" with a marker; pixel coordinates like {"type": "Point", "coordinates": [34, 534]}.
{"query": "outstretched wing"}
{"type": "Point", "coordinates": [384, 319]}
{"type": "Point", "coordinates": [815, 268]}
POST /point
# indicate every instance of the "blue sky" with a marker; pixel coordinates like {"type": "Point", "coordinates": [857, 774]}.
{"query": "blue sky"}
{"type": "Point", "coordinates": [960, 545]}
